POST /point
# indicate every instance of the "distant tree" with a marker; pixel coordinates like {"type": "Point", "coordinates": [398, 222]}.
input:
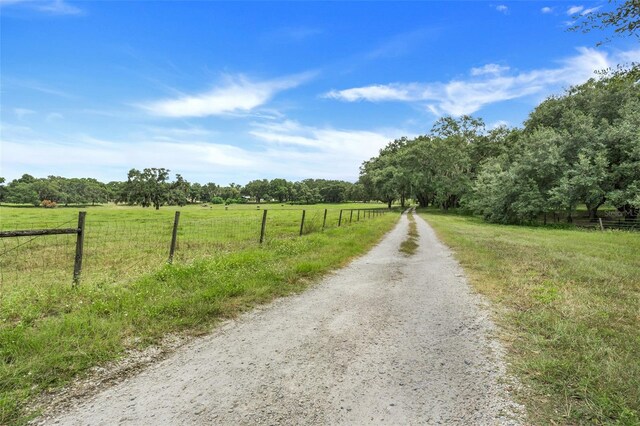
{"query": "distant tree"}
{"type": "Point", "coordinates": [231, 192]}
{"type": "Point", "coordinates": [280, 189]}
{"type": "Point", "coordinates": [20, 192]}
{"type": "Point", "coordinates": [178, 193]}
{"type": "Point", "coordinates": [209, 191]}
{"type": "Point", "coordinates": [116, 191]}
{"type": "Point", "coordinates": [356, 192]}
{"type": "Point", "coordinates": [257, 189]}
{"type": "Point", "coordinates": [195, 193]}
{"type": "Point", "coordinates": [2, 189]}
{"type": "Point", "coordinates": [302, 194]}
{"type": "Point", "coordinates": [147, 188]}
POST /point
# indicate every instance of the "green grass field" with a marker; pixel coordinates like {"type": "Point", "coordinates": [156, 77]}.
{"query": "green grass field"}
{"type": "Point", "coordinates": [122, 242]}
{"type": "Point", "coordinates": [101, 318]}
{"type": "Point", "coordinates": [568, 303]}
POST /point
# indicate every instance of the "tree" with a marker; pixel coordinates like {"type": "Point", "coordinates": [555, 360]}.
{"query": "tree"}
{"type": "Point", "coordinates": [257, 189]}
{"type": "Point", "coordinates": [148, 187]}
{"type": "Point", "coordinates": [2, 189]}
{"type": "Point", "coordinates": [280, 189]}
{"type": "Point", "coordinates": [178, 193]}
{"type": "Point", "coordinates": [195, 193]}
{"type": "Point", "coordinates": [624, 19]}
{"type": "Point", "coordinates": [209, 192]}
{"type": "Point", "coordinates": [20, 192]}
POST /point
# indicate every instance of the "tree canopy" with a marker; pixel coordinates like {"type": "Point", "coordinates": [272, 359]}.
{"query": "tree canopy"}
{"type": "Point", "coordinates": [578, 149]}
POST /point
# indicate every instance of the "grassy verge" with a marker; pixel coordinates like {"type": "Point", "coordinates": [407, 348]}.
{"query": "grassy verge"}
{"type": "Point", "coordinates": [63, 332]}
{"type": "Point", "coordinates": [568, 302]}
{"type": "Point", "coordinates": [410, 244]}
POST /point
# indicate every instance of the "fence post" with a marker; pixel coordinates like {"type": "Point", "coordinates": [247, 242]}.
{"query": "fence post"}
{"type": "Point", "coordinates": [601, 226]}
{"type": "Point", "coordinates": [324, 220]}
{"type": "Point", "coordinates": [340, 218]}
{"type": "Point", "coordinates": [302, 222]}
{"type": "Point", "coordinates": [264, 225]}
{"type": "Point", "coordinates": [174, 237]}
{"type": "Point", "coordinates": [350, 215]}
{"type": "Point", "coordinates": [77, 266]}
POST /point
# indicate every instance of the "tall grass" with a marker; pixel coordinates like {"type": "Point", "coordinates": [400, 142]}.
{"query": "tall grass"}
{"type": "Point", "coordinates": [569, 303]}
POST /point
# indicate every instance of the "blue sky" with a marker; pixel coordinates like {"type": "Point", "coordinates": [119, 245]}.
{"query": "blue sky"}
{"type": "Point", "coordinates": [235, 91]}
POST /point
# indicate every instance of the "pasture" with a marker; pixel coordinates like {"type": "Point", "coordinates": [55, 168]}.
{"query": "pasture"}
{"type": "Point", "coordinates": [122, 242]}
{"type": "Point", "coordinates": [220, 270]}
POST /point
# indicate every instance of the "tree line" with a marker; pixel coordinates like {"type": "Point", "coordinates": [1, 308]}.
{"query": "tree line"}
{"type": "Point", "coordinates": [152, 187]}
{"type": "Point", "coordinates": [578, 149]}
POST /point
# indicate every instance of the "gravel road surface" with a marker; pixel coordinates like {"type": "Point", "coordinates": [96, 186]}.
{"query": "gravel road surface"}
{"type": "Point", "coordinates": [390, 339]}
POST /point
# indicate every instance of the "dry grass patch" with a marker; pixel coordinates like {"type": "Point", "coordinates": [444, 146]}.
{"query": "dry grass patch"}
{"type": "Point", "coordinates": [410, 245]}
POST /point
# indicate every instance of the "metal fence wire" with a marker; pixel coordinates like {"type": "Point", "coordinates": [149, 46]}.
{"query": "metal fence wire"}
{"type": "Point", "coordinates": [112, 251]}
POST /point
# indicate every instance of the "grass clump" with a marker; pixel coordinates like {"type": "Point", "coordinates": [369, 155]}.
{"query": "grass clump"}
{"type": "Point", "coordinates": [57, 333]}
{"type": "Point", "coordinates": [410, 244]}
{"type": "Point", "coordinates": [568, 303]}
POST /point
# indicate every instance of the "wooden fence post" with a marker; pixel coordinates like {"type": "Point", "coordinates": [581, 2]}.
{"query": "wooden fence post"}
{"type": "Point", "coordinates": [77, 266]}
{"type": "Point", "coordinates": [601, 226]}
{"type": "Point", "coordinates": [302, 222]}
{"type": "Point", "coordinates": [174, 237]}
{"type": "Point", "coordinates": [340, 218]}
{"type": "Point", "coordinates": [324, 220]}
{"type": "Point", "coordinates": [358, 218]}
{"type": "Point", "coordinates": [263, 227]}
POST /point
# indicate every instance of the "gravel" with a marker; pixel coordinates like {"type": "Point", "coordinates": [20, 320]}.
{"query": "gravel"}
{"type": "Point", "coordinates": [390, 339]}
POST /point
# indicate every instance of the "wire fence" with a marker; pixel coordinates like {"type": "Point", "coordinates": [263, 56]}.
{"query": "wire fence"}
{"type": "Point", "coordinates": [113, 251]}
{"type": "Point", "coordinates": [610, 222]}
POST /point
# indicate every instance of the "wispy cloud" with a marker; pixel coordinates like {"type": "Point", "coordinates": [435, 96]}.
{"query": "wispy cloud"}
{"type": "Point", "coordinates": [8, 81]}
{"type": "Point", "coordinates": [489, 84]}
{"type": "Point", "coordinates": [53, 7]}
{"type": "Point", "coordinates": [294, 34]}
{"type": "Point", "coordinates": [590, 10]}
{"type": "Point", "coordinates": [235, 94]}
{"type": "Point", "coordinates": [502, 8]}
{"type": "Point", "coordinates": [282, 148]}
{"type": "Point", "coordinates": [21, 113]}
{"type": "Point", "coordinates": [401, 44]}
{"type": "Point", "coordinates": [92, 156]}
{"type": "Point", "coordinates": [546, 9]}
{"type": "Point", "coordinates": [53, 116]}
{"type": "Point", "coordinates": [574, 9]}
{"type": "Point", "coordinates": [323, 152]}
{"type": "Point", "coordinates": [489, 69]}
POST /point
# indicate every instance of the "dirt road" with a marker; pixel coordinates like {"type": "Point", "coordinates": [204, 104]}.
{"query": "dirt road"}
{"type": "Point", "coordinates": [390, 339]}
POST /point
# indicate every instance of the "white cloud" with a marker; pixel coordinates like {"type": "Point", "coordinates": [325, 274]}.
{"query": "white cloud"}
{"type": "Point", "coordinates": [466, 96]}
{"type": "Point", "coordinates": [574, 9]}
{"type": "Point", "coordinates": [21, 113]}
{"type": "Point", "coordinates": [590, 10]}
{"type": "Point", "coordinates": [546, 9]}
{"type": "Point", "coordinates": [382, 92]}
{"type": "Point", "coordinates": [53, 116]}
{"type": "Point", "coordinates": [270, 149]}
{"type": "Point", "coordinates": [321, 152]}
{"type": "Point", "coordinates": [236, 95]}
{"type": "Point", "coordinates": [53, 7]}
{"type": "Point", "coordinates": [493, 69]}
{"type": "Point", "coordinates": [92, 156]}
{"type": "Point", "coordinates": [502, 8]}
